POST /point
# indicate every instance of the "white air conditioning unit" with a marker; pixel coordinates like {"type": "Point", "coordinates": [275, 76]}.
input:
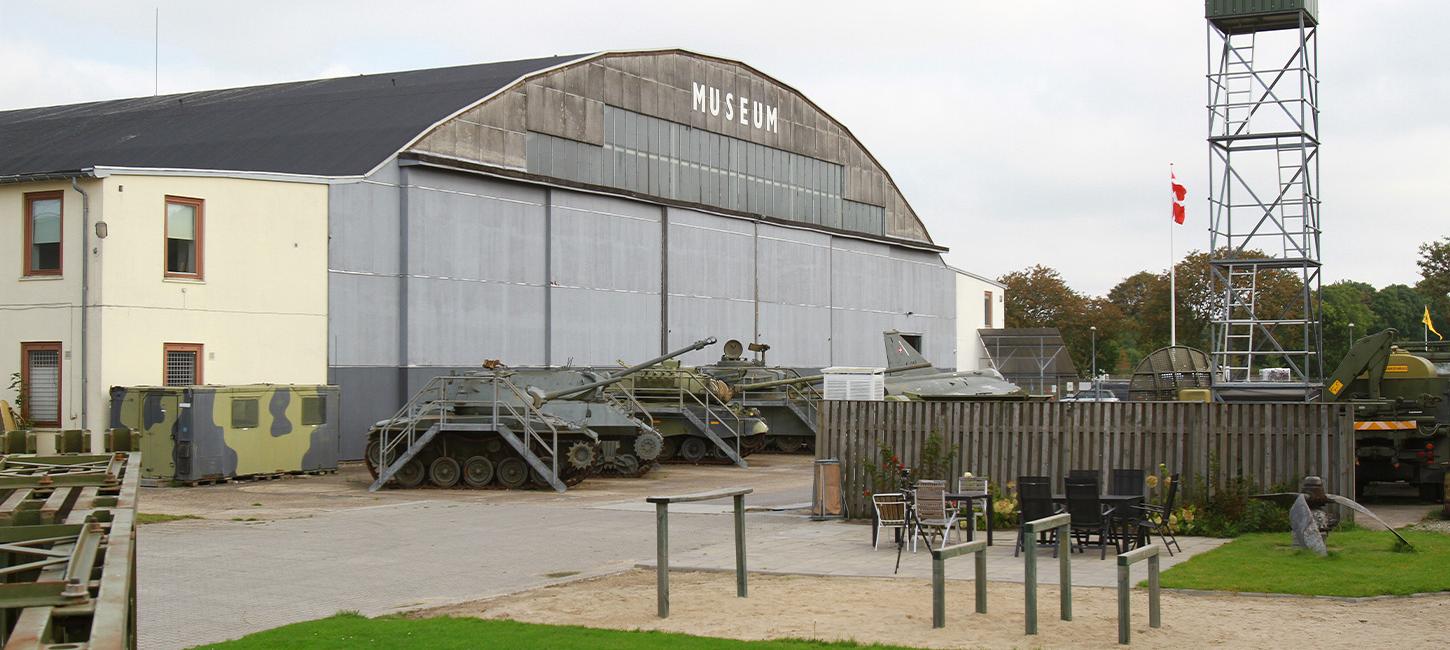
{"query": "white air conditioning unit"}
{"type": "Point", "coordinates": [846, 383]}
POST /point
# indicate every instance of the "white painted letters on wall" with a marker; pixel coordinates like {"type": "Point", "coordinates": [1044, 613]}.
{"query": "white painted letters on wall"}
{"type": "Point", "coordinates": [706, 99]}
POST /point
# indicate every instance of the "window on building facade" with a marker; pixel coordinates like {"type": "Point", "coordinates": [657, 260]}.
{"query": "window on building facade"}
{"type": "Point", "coordinates": [987, 309]}
{"type": "Point", "coordinates": [183, 364]}
{"type": "Point", "coordinates": [184, 221]}
{"type": "Point", "coordinates": [244, 413]}
{"type": "Point", "coordinates": [43, 233]}
{"type": "Point", "coordinates": [40, 373]}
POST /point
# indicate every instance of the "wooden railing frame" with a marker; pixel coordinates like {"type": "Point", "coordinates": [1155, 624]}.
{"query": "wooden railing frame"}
{"type": "Point", "coordinates": [662, 540]}
{"type": "Point", "coordinates": [1063, 525]}
{"type": "Point", "coordinates": [1151, 553]}
{"type": "Point", "coordinates": [939, 556]}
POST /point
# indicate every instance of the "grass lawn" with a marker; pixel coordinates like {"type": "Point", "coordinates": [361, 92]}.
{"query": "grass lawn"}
{"type": "Point", "coordinates": [1360, 563]}
{"type": "Point", "coordinates": [346, 631]}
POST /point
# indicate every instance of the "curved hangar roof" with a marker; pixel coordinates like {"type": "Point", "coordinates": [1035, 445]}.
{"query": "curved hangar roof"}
{"type": "Point", "coordinates": [672, 124]}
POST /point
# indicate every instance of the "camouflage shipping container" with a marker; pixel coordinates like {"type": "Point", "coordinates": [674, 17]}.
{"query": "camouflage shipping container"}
{"type": "Point", "coordinates": [200, 433]}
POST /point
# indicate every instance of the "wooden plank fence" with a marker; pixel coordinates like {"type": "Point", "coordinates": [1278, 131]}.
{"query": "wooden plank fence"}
{"type": "Point", "coordinates": [1268, 444]}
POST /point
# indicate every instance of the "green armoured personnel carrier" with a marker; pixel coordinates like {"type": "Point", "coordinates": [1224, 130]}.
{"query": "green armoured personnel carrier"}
{"type": "Point", "coordinates": [511, 428]}
{"type": "Point", "coordinates": [788, 400]}
{"type": "Point", "coordinates": [695, 412]}
{"type": "Point", "coordinates": [194, 434]}
{"type": "Point", "coordinates": [1401, 399]}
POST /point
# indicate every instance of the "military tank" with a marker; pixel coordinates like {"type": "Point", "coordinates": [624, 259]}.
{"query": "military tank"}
{"type": "Point", "coordinates": [787, 400]}
{"type": "Point", "coordinates": [695, 413]}
{"type": "Point", "coordinates": [500, 427]}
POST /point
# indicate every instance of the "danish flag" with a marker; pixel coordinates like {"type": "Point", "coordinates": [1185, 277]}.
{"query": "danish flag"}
{"type": "Point", "coordinates": [1179, 193]}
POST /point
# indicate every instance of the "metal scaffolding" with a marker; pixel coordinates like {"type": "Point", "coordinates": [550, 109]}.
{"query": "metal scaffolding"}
{"type": "Point", "coordinates": [1263, 141]}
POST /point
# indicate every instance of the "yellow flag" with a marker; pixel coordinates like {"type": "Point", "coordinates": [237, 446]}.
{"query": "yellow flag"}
{"type": "Point", "coordinates": [1428, 324]}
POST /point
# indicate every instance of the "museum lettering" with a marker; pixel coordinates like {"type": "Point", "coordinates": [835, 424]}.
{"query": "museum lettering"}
{"type": "Point", "coordinates": [709, 99]}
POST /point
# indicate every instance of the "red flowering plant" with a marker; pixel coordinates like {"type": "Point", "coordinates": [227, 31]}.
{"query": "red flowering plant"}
{"type": "Point", "coordinates": [883, 473]}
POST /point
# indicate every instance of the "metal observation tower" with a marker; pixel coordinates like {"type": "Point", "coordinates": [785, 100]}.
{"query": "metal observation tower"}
{"type": "Point", "coordinates": [1263, 141]}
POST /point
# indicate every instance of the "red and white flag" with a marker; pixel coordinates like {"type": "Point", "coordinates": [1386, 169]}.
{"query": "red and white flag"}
{"type": "Point", "coordinates": [1179, 193]}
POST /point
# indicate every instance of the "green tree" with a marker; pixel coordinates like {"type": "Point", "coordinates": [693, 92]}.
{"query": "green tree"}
{"type": "Point", "coordinates": [1434, 284]}
{"type": "Point", "coordinates": [1343, 303]}
{"type": "Point", "coordinates": [1400, 307]}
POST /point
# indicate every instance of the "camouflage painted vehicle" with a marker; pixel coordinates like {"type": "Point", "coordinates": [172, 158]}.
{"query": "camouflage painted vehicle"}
{"type": "Point", "coordinates": [788, 400]}
{"type": "Point", "coordinates": [500, 427]}
{"type": "Point", "coordinates": [696, 414]}
{"type": "Point", "coordinates": [191, 434]}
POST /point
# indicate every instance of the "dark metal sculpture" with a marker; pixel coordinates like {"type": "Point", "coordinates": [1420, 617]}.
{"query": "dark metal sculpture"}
{"type": "Point", "coordinates": [1310, 516]}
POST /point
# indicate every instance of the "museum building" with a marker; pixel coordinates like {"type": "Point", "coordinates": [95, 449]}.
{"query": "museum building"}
{"type": "Point", "coordinates": [377, 230]}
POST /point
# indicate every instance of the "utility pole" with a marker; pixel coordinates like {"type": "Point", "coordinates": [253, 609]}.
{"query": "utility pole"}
{"type": "Point", "coordinates": [1096, 395]}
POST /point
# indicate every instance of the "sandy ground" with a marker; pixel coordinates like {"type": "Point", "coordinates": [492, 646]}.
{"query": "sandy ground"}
{"type": "Point", "coordinates": [899, 611]}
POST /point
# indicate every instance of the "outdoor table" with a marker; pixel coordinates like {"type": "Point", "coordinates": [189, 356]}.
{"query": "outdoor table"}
{"type": "Point", "coordinates": [973, 496]}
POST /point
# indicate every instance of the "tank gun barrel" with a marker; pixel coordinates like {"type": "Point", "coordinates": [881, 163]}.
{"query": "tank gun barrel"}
{"type": "Point", "coordinates": [541, 397]}
{"type": "Point", "coordinates": [811, 379]}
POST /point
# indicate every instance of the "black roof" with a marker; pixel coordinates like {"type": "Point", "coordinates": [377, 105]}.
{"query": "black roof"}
{"type": "Point", "coordinates": [328, 127]}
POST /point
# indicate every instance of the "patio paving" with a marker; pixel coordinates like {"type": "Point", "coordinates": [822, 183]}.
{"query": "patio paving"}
{"type": "Point", "coordinates": [835, 548]}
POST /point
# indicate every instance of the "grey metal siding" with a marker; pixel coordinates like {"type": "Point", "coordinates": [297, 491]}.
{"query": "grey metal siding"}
{"type": "Point", "coordinates": [534, 276]}
{"type": "Point", "coordinates": [712, 271]}
{"type": "Point", "coordinates": [604, 280]}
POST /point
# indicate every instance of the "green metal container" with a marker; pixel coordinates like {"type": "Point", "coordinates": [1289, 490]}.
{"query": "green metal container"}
{"type": "Point", "coordinates": [1238, 16]}
{"type": "Point", "coordinates": [202, 433]}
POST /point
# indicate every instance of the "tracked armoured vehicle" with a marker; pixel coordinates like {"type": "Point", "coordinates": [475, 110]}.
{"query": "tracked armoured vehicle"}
{"type": "Point", "coordinates": [500, 427]}
{"type": "Point", "coordinates": [695, 413]}
{"type": "Point", "coordinates": [788, 400]}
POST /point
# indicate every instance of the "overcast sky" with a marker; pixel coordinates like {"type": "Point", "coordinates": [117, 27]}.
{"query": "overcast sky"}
{"type": "Point", "coordinates": [1022, 132]}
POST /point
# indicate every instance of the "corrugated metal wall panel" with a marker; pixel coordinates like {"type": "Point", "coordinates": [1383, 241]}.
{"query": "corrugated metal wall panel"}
{"type": "Point", "coordinates": [605, 279]}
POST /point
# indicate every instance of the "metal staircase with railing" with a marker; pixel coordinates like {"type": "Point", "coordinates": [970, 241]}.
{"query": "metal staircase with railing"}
{"type": "Point", "coordinates": [518, 423]}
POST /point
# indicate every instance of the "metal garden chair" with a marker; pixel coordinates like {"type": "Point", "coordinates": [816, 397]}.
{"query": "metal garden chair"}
{"type": "Point", "coordinates": [890, 515]}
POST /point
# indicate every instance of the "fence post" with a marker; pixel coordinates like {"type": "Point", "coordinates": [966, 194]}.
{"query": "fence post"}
{"type": "Point", "coordinates": [1155, 611]}
{"type": "Point", "coordinates": [1064, 568]}
{"type": "Point", "coordinates": [740, 545]}
{"type": "Point", "coordinates": [662, 563]}
{"type": "Point", "coordinates": [938, 591]}
{"type": "Point", "coordinates": [981, 562]}
{"type": "Point", "coordinates": [1124, 605]}
{"type": "Point", "coordinates": [1029, 549]}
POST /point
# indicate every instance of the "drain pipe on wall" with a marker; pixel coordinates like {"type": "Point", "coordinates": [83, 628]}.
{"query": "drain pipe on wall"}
{"type": "Point", "coordinates": [85, 297]}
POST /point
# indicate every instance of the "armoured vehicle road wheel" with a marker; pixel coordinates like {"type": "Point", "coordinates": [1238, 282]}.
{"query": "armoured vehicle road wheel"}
{"type": "Point", "coordinates": [693, 449]}
{"type": "Point", "coordinates": [580, 455]}
{"type": "Point", "coordinates": [444, 472]}
{"type": "Point", "coordinates": [668, 448]}
{"type": "Point", "coordinates": [477, 471]}
{"type": "Point", "coordinates": [410, 475]}
{"type": "Point", "coordinates": [626, 464]}
{"type": "Point", "coordinates": [513, 472]}
{"type": "Point", "coordinates": [648, 446]}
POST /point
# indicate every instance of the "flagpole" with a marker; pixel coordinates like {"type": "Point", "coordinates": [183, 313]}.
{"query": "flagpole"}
{"type": "Point", "coordinates": [1172, 278]}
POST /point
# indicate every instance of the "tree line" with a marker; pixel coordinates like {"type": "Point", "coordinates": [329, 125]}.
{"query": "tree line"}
{"type": "Point", "coordinates": [1132, 320]}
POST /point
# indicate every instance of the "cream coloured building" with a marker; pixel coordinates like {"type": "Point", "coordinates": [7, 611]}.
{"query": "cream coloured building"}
{"type": "Point", "coordinates": [160, 279]}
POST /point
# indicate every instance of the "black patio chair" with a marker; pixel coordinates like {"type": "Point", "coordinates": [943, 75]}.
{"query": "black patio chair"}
{"type": "Point", "coordinates": [1034, 501]}
{"type": "Point", "coordinates": [1084, 475]}
{"type": "Point", "coordinates": [1089, 517]}
{"type": "Point", "coordinates": [1128, 481]}
{"type": "Point", "coordinates": [1156, 519]}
